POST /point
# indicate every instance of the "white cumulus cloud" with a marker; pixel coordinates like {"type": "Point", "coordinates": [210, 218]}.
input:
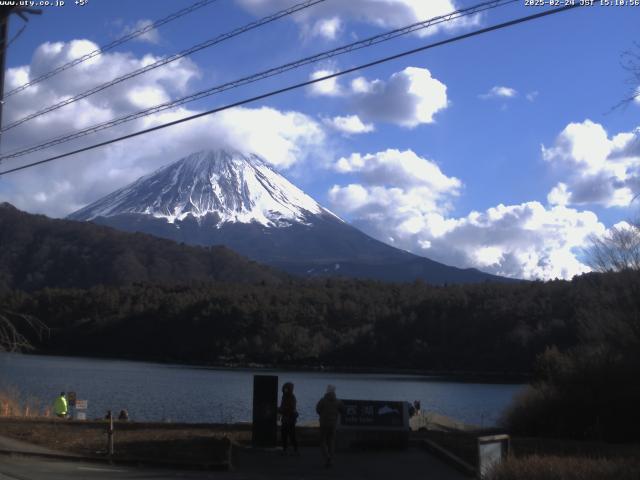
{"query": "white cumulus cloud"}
{"type": "Point", "coordinates": [409, 98]}
{"type": "Point", "coordinates": [503, 92]}
{"type": "Point", "coordinates": [329, 87]}
{"type": "Point", "coordinates": [150, 36]}
{"type": "Point", "coordinates": [600, 169]}
{"type": "Point", "coordinates": [328, 28]}
{"type": "Point", "coordinates": [349, 125]}
{"type": "Point", "coordinates": [385, 14]}
{"type": "Point", "coordinates": [399, 169]}
{"type": "Point", "coordinates": [559, 195]}
{"type": "Point", "coordinates": [405, 200]}
{"type": "Point", "coordinates": [394, 188]}
{"type": "Point", "coordinates": [60, 187]}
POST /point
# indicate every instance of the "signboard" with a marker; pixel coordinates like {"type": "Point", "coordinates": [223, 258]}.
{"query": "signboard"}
{"type": "Point", "coordinates": [374, 413]}
{"type": "Point", "coordinates": [81, 404]}
{"type": "Point", "coordinates": [491, 451]}
{"type": "Point", "coordinates": [81, 415]}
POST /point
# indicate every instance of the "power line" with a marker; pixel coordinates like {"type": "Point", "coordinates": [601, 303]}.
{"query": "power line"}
{"type": "Point", "coordinates": [110, 46]}
{"type": "Point", "coordinates": [302, 84]}
{"type": "Point", "coordinates": [263, 75]}
{"type": "Point", "coordinates": [164, 61]}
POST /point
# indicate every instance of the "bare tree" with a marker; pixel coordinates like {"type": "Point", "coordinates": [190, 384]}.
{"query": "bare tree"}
{"type": "Point", "coordinates": [15, 327]}
{"type": "Point", "coordinates": [630, 61]}
{"type": "Point", "coordinates": [617, 250]}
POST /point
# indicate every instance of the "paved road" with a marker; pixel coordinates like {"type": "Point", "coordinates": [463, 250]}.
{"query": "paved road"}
{"type": "Point", "coordinates": [413, 464]}
{"type": "Point", "coordinates": [30, 468]}
{"type": "Point", "coordinates": [408, 465]}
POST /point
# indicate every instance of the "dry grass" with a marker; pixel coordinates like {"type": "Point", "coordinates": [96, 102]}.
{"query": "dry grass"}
{"type": "Point", "coordinates": [131, 440]}
{"type": "Point", "coordinates": [567, 468]}
{"type": "Point", "coordinates": [12, 404]}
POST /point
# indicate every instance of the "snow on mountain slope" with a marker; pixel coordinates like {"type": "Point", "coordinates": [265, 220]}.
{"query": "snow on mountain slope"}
{"type": "Point", "coordinates": [235, 187]}
{"type": "Point", "coordinates": [227, 198]}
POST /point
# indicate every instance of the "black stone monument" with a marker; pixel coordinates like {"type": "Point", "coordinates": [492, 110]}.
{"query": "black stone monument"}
{"type": "Point", "coordinates": [265, 411]}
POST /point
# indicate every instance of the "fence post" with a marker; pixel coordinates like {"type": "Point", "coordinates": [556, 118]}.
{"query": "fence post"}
{"type": "Point", "coordinates": [110, 436]}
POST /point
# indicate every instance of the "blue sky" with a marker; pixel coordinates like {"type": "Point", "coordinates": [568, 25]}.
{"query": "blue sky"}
{"type": "Point", "coordinates": [499, 152]}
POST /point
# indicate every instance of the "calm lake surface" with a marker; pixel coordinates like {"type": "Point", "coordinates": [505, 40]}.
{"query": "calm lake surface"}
{"type": "Point", "coordinates": [161, 392]}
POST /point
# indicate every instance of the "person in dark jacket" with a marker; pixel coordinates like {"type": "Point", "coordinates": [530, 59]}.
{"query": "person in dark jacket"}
{"type": "Point", "coordinates": [329, 408]}
{"type": "Point", "coordinates": [288, 417]}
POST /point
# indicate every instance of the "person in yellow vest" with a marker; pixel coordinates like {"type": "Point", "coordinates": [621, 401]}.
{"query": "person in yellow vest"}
{"type": "Point", "coordinates": [60, 406]}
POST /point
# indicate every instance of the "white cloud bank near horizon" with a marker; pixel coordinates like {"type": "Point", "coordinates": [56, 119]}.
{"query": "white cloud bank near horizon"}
{"type": "Point", "coordinates": [527, 240]}
{"type": "Point", "coordinates": [405, 200]}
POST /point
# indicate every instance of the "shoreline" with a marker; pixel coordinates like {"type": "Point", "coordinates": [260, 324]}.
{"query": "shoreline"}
{"type": "Point", "coordinates": [498, 378]}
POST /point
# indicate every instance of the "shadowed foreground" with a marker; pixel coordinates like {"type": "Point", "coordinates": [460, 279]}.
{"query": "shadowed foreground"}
{"type": "Point", "coordinates": [251, 465]}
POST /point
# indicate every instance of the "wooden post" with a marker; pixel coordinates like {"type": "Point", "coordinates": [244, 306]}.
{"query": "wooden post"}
{"type": "Point", "coordinates": [110, 436]}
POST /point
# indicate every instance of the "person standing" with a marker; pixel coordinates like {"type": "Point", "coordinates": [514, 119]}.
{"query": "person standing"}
{"type": "Point", "coordinates": [60, 406]}
{"type": "Point", "coordinates": [329, 409]}
{"type": "Point", "coordinates": [288, 417]}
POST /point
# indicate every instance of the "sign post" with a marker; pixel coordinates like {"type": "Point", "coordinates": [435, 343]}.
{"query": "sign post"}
{"type": "Point", "coordinates": [367, 423]}
{"type": "Point", "coordinates": [80, 409]}
{"type": "Point", "coordinates": [492, 450]}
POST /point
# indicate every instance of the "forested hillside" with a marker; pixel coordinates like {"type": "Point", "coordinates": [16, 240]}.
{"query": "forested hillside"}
{"type": "Point", "coordinates": [484, 327]}
{"type": "Point", "coordinates": [103, 292]}
{"type": "Point", "coordinates": [38, 252]}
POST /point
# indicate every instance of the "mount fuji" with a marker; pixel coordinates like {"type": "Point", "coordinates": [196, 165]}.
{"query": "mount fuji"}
{"type": "Point", "coordinates": [228, 198]}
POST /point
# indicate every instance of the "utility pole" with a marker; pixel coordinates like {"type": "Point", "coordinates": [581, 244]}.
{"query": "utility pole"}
{"type": "Point", "coordinates": [4, 38]}
{"type": "Point", "coordinates": [5, 12]}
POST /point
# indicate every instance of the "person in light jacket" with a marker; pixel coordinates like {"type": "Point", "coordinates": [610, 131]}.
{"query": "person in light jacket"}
{"type": "Point", "coordinates": [329, 408]}
{"type": "Point", "coordinates": [61, 406]}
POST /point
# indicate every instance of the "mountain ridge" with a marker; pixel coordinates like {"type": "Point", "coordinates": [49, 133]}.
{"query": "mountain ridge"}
{"type": "Point", "coordinates": [227, 198]}
{"type": "Point", "coordinates": [40, 252]}
{"type": "Point", "coordinates": [238, 188]}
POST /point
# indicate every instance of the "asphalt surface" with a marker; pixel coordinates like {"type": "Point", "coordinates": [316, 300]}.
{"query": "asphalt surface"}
{"type": "Point", "coordinates": [31, 468]}
{"type": "Point", "coordinates": [250, 465]}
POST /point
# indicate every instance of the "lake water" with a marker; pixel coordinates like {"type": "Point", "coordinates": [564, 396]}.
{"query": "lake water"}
{"type": "Point", "coordinates": [161, 392]}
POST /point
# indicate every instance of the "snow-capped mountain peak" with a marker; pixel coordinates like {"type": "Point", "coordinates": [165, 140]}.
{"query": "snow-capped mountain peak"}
{"type": "Point", "coordinates": [237, 188]}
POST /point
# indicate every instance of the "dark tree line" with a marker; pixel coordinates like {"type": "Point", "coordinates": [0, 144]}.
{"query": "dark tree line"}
{"type": "Point", "coordinates": [349, 323]}
{"type": "Point", "coordinates": [590, 390]}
